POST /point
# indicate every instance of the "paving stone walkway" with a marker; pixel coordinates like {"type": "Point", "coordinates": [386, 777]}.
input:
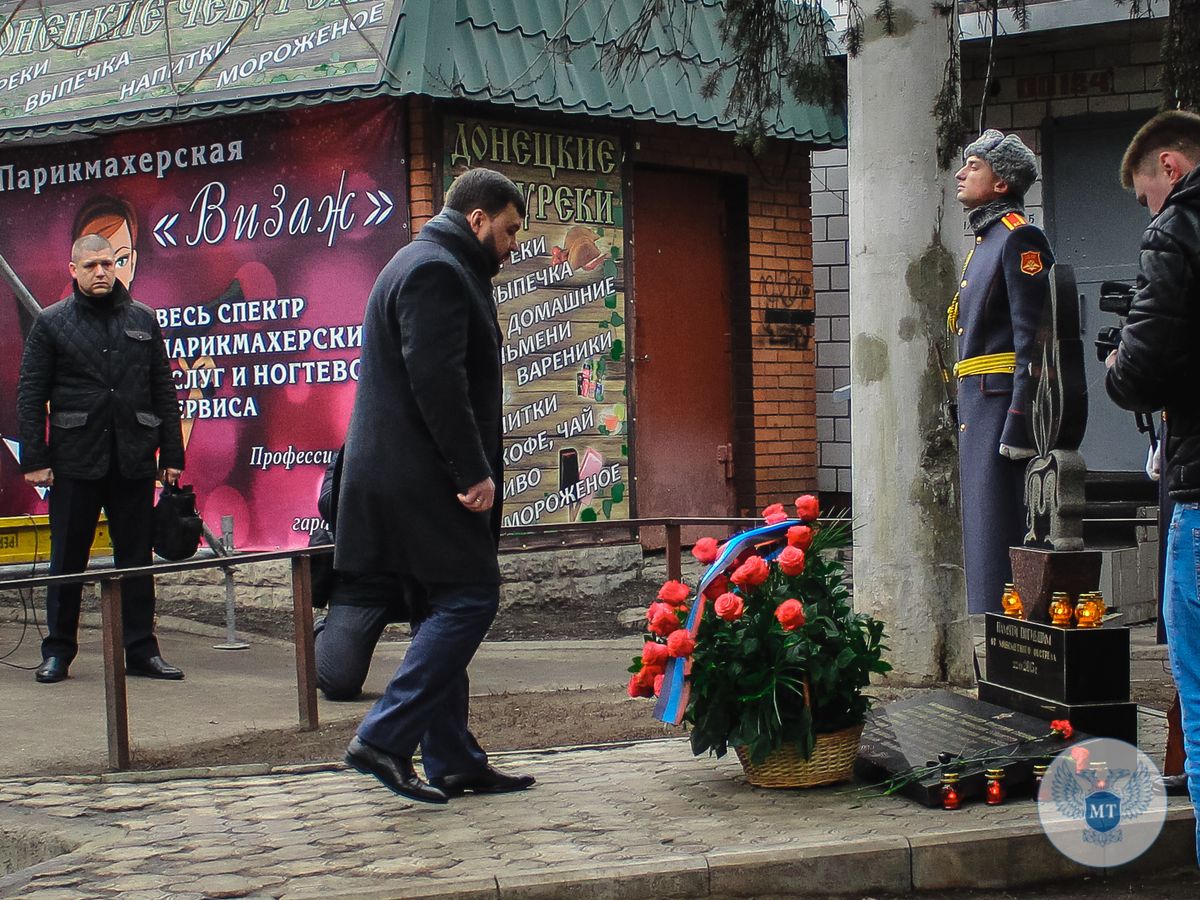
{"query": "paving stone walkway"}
{"type": "Point", "coordinates": [644, 819]}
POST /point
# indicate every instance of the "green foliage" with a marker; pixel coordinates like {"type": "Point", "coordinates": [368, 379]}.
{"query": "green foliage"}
{"type": "Point", "coordinates": [748, 676]}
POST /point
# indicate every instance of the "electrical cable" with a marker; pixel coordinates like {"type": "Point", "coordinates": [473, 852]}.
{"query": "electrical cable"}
{"type": "Point", "coordinates": [28, 606]}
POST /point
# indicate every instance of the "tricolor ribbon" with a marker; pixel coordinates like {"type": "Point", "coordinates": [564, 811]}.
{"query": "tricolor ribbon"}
{"type": "Point", "coordinates": [673, 696]}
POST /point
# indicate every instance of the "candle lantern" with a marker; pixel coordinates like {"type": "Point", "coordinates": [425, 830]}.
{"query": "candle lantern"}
{"type": "Point", "coordinates": [1088, 611]}
{"type": "Point", "coordinates": [995, 787]}
{"type": "Point", "coordinates": [1061, 609]}
{"type": "Point", "coordinates": [1011, 603]}
{"type": "Point", "coordinates": [951, 799]}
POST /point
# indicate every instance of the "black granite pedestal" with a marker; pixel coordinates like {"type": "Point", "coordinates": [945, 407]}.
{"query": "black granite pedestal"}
{"type": "Point", "coordinates": [1079, 674]}
{"type": "Point", "coordinates": [936, 726]}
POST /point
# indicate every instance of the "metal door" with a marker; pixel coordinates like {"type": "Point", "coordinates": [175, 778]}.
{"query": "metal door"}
{"type": "Point", "coordinates": [683, 440]}
{"type": "Point", "coordinates": [1096, 226]}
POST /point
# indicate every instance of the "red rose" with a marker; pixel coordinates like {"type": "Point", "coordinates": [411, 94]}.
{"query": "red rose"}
{"type": "Point", "coordinates": [680, 643]}
{"type": "Point", "coordinates": [636, 688]}
{"type": "Point", "coordinates": [774, 513]}
{"type": "Point", "coordinates": [800, 536]}
{"type": "Point", "coordinates": [729, 607]}
{"type": "Point", "coordinates": [716, 587]}
{"type": "Point", "coordinates": [658, 683]}
{"type": "Point", "coordinates": [674, 592]}
{"type": "Point", "coordinates": [662, 619]}
{"type": "Point", "coordinates": [790, 614]}
{"type": "Point", "coordinates": [654, 654]}
{"type": "Point", "coordinates": [791, 560]}
{"type": "Point", "coordinates": [705, 550]}
{"type": "Point", "coordinates": [751, 573]}
{"type": "Point", "coordinates": [1062, 728]}
{"type": "Point", "coordinates": [807, 508]}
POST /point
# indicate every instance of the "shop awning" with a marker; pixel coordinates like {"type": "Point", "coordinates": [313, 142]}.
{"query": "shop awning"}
{"type": "Point", "coordinates": [548, 55]}
{"type": "Point", "coordinates": [74, 67]}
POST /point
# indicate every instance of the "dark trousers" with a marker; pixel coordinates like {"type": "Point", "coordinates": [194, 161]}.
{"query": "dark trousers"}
{"type": "Point", "coordinates": [345, 640]}
{"type": "Point", "coordinates": [427, 700]}
{"type": "Point", "coordinates": [75, 505]}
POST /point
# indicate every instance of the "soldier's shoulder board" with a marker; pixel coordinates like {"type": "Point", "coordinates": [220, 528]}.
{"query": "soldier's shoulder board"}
{"type": "Point", "coordinates": [1013, 221]}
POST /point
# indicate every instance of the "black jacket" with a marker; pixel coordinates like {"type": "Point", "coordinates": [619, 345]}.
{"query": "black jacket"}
{"type": "Point", "coordinates": [101, 365]}
{"type": "Point", "coordinates": [427, 416]}
{"type": "Point", "coordinates": [1158, 362]}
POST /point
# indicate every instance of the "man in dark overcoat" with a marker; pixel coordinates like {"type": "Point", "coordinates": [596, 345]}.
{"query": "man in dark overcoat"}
{"type": "Point", "coordinates": [995, 315]}
{"type": "Point", "coordinates": [422, 469]}
{"type": "Point", "coordinates": [96, 361]}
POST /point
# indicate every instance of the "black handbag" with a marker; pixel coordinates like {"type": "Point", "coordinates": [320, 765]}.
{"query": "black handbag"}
{"type": "Point", "coordinates": [177, 528]}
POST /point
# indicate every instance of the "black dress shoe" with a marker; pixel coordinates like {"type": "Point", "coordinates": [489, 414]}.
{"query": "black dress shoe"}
{"type": "Point", "coordinates": [1175, 785]}
{"type": "Point", "coordinates": [52, 670]}
{"type": "Point", "coordinates": [486, 781]}
{"type": "Point", "coordinates": [154, 667]}
{"type": "Point", "coordinates": [394, 772]}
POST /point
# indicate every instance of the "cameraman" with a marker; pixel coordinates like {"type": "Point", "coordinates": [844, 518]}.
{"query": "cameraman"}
{"type": "Point", "coordinates": [1157, 366]}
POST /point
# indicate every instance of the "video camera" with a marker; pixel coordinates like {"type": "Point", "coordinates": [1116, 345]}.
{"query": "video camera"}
{"type": "Point", "coordinates": [1115, 297]}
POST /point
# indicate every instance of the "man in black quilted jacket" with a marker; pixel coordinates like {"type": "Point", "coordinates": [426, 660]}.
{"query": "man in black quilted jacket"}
{"type": "Point", "coordinates": [1157, 366]}
{"type": "Point", "coordinates": [96, 363]}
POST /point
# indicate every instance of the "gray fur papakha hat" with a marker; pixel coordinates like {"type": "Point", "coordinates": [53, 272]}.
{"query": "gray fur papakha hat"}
{"type": "Point", "coordinates": [1009, 158]}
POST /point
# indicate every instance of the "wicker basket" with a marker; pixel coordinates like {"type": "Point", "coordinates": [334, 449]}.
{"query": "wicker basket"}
{"type": "Point", "coordinates": [832, 761]}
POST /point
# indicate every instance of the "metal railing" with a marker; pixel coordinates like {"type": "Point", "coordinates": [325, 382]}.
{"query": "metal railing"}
{"type": "Point", "coordinates": [116, 700]}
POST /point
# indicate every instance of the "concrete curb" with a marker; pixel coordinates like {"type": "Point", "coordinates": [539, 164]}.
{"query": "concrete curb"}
{"type": "Point", "coordinates": [978, 859]}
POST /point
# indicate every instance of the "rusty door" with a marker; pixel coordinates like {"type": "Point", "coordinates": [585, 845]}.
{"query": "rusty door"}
{"type": "Point", "coordinates": [683, 441]}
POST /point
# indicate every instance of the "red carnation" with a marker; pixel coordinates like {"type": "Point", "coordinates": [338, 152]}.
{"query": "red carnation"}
{"type": "Point", "coordinates": [662, 619]}
{"type": "Point", "coordinates": [800, 536]}
{"type": "Point", "coordinates": [658, 683]}
{"type": "Point", "coordinates": [674, 592]}
{"type": "Point", "coordinates": [705, 550]}
{"type": "Point", "coordinates": [680, 643]}
{"type": "Point", "coordinates": [791, 560]}
{"type": "Point", "coordinates": [1062, 728]}
{"type": "Point", "coordinates": [654, 654]}
{"type": "Point", "coordinates": [729, 607]}
{"type": "Point", "coordinates": [790, 614]}
{"type": "Point", "coordinates": [807, 508]}
{"type": "Point", "coordinates": [1081, 755]}
{"type": "Point", "coordinates": [751, 573]}
{"type": "Point", "coordinates": [774, 513]}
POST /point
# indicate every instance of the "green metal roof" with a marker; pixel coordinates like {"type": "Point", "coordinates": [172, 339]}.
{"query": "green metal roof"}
{"type": "Point", "coordinates": [546, 54]}
{"type": "Point", "coordinates": [534, 54]}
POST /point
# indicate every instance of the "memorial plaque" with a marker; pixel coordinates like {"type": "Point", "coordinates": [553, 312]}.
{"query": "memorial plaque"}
{"type": "Point", "coordinates": [1067, 665]}
{"type": "Point", "coordinates": [1110, 720]}
{"type": "Point", "coordinates": [913, 733]}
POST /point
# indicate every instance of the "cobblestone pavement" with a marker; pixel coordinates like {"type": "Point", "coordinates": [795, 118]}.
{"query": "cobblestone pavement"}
{"type": "Point", "coordinates": [626, 820]}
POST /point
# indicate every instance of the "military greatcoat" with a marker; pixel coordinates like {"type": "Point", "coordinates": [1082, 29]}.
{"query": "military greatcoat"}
{"type": "Point", "coordinates": [995, 316]}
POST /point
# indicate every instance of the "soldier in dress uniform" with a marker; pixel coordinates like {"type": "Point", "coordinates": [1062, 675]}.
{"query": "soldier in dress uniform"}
{"type": "Point", "coordinates": [995, 316]}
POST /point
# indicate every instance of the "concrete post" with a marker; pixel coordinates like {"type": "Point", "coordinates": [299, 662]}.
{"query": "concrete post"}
{"type": "Point", "coordinates": [905, 233]}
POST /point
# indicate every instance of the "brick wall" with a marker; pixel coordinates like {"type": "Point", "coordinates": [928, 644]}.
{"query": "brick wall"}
{"type": "Point", "coordinates": [831, 283]}
{"type": "Point", "coordinates": [780, 376]}
{"type": "Point", "coordinates": [421, 170]}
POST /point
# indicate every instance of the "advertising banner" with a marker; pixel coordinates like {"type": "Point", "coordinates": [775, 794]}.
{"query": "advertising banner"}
{"type": "Point", "coordinates": [66, 59]}
{"type": "Point", "coordinates": [561, 303]}
{"type": "Point", "coordinates": [257, 240]}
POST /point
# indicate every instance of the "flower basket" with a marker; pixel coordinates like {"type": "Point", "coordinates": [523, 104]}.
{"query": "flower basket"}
{"type": "Point", "coordinates": [831, 762]}
{"type": "Point", "coordinates": [768, 656]}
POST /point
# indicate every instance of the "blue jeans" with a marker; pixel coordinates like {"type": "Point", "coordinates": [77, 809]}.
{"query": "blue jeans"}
{"type": "Point", "coordinates": [427, 699]}
{"type": "Point", "coordinates": [1181, 609]}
